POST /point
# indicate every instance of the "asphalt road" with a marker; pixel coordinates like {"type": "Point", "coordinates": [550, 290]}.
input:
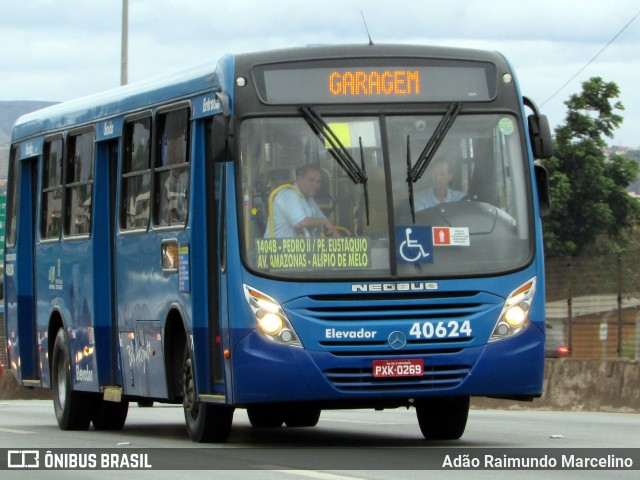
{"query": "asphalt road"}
{"type": "Point", "coordinates": [344, 444]}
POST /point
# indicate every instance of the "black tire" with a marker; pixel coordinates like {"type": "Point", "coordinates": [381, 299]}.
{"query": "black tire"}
{"type": "Point", "coordinates": [443, 418]}
{"type": "Point", "coordinates": [145, 403]}
{"type": "Point", "coordinates": [73, 409]}
{"type": "Point", "coordinates": [110, 415]}
{"type": "Point", "coordinates": [206, 423]}
{"type": "Point", "coordinates": [302, 417]}
{"type": "Point", "coordinates": [265, 416]}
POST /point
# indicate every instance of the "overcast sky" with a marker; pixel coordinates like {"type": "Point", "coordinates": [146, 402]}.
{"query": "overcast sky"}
{"type": "Point", "coordinates": [57, 50]}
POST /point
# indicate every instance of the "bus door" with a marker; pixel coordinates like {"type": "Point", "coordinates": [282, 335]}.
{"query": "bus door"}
{"type": "Point", "coordinates": [210, 323]}
{"type": "Point", "coordinates": [21, 301]}
{"type": "Point", "coordinates": [140, 282]}
{"type": "Point", "coordinates": [216, 228]}
{"type": "Point", "coordinates": [105, 324]}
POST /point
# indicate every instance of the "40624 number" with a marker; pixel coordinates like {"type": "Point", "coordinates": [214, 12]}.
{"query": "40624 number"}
{"type": "Point", "coordinates": [451, 329]}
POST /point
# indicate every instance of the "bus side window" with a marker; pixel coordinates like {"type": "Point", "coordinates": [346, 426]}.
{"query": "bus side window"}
{"type": "Point", "coordinates": [172, 168]}
{"type": "Point", "coordinates": [79, 184]}
{"type": "Point", "coordinates": [136, 175]}
{"type": "Point", "coordinates": [52, 188]}
{"type": "Point", "coordinates": [12, 198]}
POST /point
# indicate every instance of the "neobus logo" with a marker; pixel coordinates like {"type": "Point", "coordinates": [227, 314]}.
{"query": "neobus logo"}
{"type": "Point", "coordinates": [394, 287]}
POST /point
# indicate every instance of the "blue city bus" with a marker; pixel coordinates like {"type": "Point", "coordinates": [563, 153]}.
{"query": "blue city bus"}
{"type": "Point", "coordinates": [143, 263]}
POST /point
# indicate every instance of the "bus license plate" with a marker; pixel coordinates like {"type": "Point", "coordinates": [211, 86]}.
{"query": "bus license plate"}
{"type": "Point", "coordinates": [398, 368]}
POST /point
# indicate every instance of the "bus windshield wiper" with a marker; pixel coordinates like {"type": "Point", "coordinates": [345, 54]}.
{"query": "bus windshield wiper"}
{"type": "Point", "coordinates": [364, 182]}
{"type": "Point", "coordinates": [356, 173]}
{"type": "Point", "coordinates": [415, 172]}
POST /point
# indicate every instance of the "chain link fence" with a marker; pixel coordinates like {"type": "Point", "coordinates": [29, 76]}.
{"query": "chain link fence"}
{"type": "Point", "coordinates": [595, 303]}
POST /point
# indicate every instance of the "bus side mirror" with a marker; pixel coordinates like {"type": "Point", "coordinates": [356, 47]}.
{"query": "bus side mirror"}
{"type": "Point", "coordinates": [539, 131]}
{"type": "Point", "coordinates": [540, 135]}
{"type": "Point", "coordinates": [542, 182]}
{"type": "Point", "coordinates": [221, 139]}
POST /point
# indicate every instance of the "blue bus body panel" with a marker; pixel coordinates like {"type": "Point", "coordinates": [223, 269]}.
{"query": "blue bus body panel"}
{"type": "Point", "coordinates": [340, 369]}
{"type": "Point", "coordinates": [11, 314]}
{"type": "Point", "coordinates": [21, 332]}
{"type": "Point", "coordinates": [266, 372]}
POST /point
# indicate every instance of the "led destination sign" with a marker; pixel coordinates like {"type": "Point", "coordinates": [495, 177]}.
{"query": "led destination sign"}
{"type": "Point", "coordinates": [374, 83]}
{"type": "Point", "coordinates": [361, 83]}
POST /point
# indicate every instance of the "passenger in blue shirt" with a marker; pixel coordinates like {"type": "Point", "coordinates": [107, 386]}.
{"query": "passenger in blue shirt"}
{"type": "Point", "coordinates": [295, 210]}
{"type": "Point", "coordinates": [440, 191]}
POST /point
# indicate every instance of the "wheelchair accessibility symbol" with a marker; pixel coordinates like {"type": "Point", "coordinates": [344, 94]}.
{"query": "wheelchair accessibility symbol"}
{"type": "Point", "coordinates": [415, 244]}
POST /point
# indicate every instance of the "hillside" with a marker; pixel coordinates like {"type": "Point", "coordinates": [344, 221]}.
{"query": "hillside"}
{"type": "Point", "coordinates": [9, 113]}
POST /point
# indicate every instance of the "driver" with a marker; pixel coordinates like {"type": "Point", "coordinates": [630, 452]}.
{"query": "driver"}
{"type": "Point", "coordinates": [297, 209]}
{"type": "Point", "coordinates": [440, 191]}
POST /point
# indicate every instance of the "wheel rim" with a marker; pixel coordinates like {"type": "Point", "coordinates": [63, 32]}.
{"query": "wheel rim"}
{"type": "Point", "coordinates": [189, 398]}
{"type": "Point", "coordinates": [61, 372]}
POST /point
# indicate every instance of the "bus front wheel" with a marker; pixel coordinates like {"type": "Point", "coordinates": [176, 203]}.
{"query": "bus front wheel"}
{"type": "Point", "coordinates": [265, 416]}
{"type": "Point", "coordinates": [206, 422]}
{"type": "Point", "coordinates": [73, 409]}
{"type": "Point", "coordinates": [302, 417]}
{"type": "Point", "coordinates": [110, 415]}
{"type": "Point", "coordinates": [443, 418]}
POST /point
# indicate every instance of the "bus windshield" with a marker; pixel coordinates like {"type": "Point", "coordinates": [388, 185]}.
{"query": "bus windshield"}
{"type": "Point", "coordinates": [466, 213]}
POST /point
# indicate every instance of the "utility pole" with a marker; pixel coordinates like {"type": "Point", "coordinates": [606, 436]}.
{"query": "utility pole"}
{"type": "Point", "coordinates": [124, 66]}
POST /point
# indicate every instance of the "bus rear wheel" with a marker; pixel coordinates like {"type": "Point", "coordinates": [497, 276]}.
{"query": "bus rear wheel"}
{"type": "Point", "coordinates": [73, 409]}
{"type": "Point", "coordinates": [443, 418]}
{"type": "Point", "coordinates": [206, 423]}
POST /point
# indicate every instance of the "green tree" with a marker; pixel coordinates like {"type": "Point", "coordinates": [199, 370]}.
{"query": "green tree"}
{"type": "Point", "coordinates": [588, 190]}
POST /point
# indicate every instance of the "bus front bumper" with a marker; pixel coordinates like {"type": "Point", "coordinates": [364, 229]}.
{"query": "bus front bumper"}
{"type": "Point", "coordinates": [265, 372]}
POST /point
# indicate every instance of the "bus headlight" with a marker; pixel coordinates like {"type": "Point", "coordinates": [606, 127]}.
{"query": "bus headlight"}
{"type": "Point", "coordinates": [514, 317]}
{"type": "Point", "coordinates": [271, 321]}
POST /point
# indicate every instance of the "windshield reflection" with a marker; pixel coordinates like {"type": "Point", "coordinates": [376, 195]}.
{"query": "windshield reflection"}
{"type": "Point", "coordinates": [305, 214]}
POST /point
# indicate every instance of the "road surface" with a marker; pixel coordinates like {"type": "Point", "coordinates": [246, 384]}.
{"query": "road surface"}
{"type": "Point", "coordinates": [345, 445]}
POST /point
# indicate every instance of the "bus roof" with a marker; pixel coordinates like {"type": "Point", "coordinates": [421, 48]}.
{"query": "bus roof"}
{"type": "Point", "coordinates": [362, 51]}
{"type": "Point", "coordinates": [129, 98]}
{"type": "Point", "coordinates": [172, 87]}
